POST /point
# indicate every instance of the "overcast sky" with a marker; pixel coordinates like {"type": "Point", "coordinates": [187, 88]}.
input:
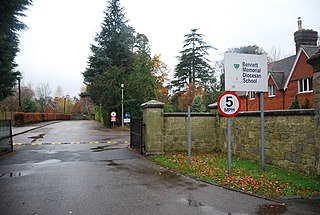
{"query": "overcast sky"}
{"type": "Point", "coordinates": [56, 46]}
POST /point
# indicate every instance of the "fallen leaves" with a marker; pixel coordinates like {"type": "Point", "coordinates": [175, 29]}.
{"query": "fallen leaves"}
{"type": "Point", "coordinates": [246, 175]}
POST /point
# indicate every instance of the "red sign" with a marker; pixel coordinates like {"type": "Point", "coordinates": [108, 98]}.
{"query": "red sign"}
{"type": "Point", "coordinates": [113, 119]}
{"type": "Point", "coordinates": [229, 104]}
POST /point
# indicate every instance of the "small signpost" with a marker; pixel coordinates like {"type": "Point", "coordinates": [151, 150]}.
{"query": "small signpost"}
{"type": "Point", "coordinates": [127, 117]}
{"type": "Point", "coordinates": [113, 117]}
{"type": "Point", "coordinates": [229, 105]}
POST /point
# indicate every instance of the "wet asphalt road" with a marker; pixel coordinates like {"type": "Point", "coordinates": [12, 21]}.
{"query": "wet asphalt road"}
{"type": "Point", "coordinates": [106, 178]}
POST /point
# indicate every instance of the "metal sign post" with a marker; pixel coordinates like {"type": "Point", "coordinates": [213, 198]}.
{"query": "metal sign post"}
{"type": "Point", "coordinates": [229, 105]}
{"type": "Point", "coordinates": [122, 118]}
{"type": "Point", "coordinates": [262, 132]}
{"type": "Point", "coordinates": [113, 117]}
{"type": "Point", "coordinates": [229, 146]}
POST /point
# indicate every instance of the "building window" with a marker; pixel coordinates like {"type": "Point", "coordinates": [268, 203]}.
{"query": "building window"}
{"type": "Point", "coordinates": [252, 95]}
{"type": "Point", "coordinates": [272, 90]}
{"type": "Point", "coordinates": [305, 85]}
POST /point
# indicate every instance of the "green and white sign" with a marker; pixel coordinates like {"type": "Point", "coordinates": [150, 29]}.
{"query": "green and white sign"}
{"type": "Point", "coordinates": [246, 72]}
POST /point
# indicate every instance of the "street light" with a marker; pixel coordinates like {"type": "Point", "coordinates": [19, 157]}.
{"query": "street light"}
{"type": "Point", "coordinates": [19, 77]}
{"type": "Point", "coordinates": [64, 103]}
{"type": "Point", "coordinates": [122, 86]}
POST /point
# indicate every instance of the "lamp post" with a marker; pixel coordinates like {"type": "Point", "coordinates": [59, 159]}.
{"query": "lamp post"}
{"type": "Point", "coordinates": [122, 86]}
{"type": "Point", "coordinates": [64, 103]}
{"type": "Point", "coordinates": [19, 88]}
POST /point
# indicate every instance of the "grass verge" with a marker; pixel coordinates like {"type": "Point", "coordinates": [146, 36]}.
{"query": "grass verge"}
{"type": "Point", "coordinates": [246, 175]}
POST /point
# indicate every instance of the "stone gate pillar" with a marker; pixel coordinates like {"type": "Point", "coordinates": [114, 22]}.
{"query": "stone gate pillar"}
{"type": "Point", "coordinates": [315, 62]}
{"type": "Point", "coordinates": [153, 127]}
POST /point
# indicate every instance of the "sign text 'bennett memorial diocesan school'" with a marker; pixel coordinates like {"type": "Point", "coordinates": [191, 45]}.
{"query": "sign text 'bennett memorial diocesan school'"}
{"type": "Point", "coordinates": [251, 72]}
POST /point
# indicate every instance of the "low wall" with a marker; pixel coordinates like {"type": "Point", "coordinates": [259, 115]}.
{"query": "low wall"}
{"type": "Point", "coordinates": [290, 136]}
{"type": "Point", "coordinates": [203, 135]}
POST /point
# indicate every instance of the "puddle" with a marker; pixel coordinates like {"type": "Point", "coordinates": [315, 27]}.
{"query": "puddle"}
{"type": "Point", "coordinates": [112, 163]}
{"type": "Point", "coordinates": [206, 209]}
{"type": "Point", "coordinates": [51, 161]}
{"type": "Point", "coordinates": [36, 137]}
{"type": "Point", "coordinates": [16, 174]}
{"type": "Point", "coordinates": [103, 148]}
{"type": "Point", "coordinates": [203, 185]}
{"type": "Point", "coordinates": [271, 209]}
{"type": "Point", "coordinates": [191, 202]}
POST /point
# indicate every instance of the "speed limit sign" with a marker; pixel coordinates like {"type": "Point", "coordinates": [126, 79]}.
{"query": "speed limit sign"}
{"type": "Point", "coordinates": [229, 104]}
{"type": "Point", "coordinates": [113, 113]}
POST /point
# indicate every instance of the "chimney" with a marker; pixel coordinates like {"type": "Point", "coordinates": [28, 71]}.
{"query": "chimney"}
{"type": "Point", "coordinates": [304, 37]}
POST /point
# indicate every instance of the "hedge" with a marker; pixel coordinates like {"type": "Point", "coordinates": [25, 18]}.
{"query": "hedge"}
{"type": "Point", "coordinates": [21, 118]}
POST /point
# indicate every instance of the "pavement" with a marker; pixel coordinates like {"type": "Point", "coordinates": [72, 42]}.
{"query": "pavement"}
{"type": "Point", "coordinates": [26, 128]}
{"type": "Point", "coordinates": [312, 205]}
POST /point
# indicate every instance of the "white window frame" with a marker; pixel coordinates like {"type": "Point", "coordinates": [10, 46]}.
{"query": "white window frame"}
{"type": "Point", "coordinates": [271, 90]}
{"type": "Point", "coordinates": [305, 85]}
{"type": "Point", "coordinates": [252, 95]}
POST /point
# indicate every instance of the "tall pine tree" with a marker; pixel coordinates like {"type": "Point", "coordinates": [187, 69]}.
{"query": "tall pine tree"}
{"type": "Point", "coordinates": [194, 66]}
{"type": "Point", "coordinates": [119, 57]}
{"type": "Point", "coordinates": [10, 11]}
{"type": "Point", "coordinates": [113, 44]}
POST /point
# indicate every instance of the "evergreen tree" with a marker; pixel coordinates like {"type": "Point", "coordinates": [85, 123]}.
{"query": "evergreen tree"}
{"type": "Point", "coordinates": [295, 103]}
{"type": "Point", "coordinates": [119, 57]}
{"type": "Point", "coordinates": [29, 105]}
{"type": "Point", "coordinates": [306, 104]}
{"type": "Point", "coordinates": [193, 66]}
{"type": "Point", "coordinates": [141, 82]}
{"type": "Point", "coordinates": [10, 25]}
{"type": "Point", "coordinates": [198, 105]}
{"type": "Point", "coordinates": [113, 45]}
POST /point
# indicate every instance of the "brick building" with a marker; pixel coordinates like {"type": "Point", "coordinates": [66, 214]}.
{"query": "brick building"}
{"type": "Point", "coordinates": [288, 77]}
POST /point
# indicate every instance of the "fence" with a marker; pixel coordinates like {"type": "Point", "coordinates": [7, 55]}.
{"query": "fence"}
{"type": "Point", "coordinates": [6, 144]}
{"type": "Point", "coordinates": [136, 140]}
{"type": "Point", "coordinates": [6, 115]}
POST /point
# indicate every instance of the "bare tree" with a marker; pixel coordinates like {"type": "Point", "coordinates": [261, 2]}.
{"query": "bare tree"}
{"type": "Point", "coordinates": [59, 92]}
{"type": "Point", "coordinates": [43, 95]}
{"type": "Point", "coordinates": [275, 54]}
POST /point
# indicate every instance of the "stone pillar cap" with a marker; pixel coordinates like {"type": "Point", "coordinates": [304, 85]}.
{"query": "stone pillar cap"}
{"type": "Point", "coordinates": [153, 104]}
{"type": "Point", "coordinates": [213, 106]}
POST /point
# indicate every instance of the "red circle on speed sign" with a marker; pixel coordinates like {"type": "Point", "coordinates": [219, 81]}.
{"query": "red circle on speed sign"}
{"type": "Point", "coordinates": [229, 104]}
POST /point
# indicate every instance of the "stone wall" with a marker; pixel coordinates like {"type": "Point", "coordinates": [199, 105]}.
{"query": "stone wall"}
{"type": "Point", "coordinates": [290, 136]}
{"type": "Point", "coordinates": [290, 139]}
{"type": "Point", "coordinates": [203, 135]}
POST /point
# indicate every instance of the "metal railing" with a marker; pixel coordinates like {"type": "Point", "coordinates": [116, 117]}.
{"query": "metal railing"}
{"type": "Point", "coordinates": [136, 135]}
{"type": "Point", "coordinates": [6, 144]}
